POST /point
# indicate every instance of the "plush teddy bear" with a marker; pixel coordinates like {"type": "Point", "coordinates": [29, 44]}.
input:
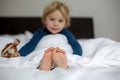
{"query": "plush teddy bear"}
{"type": "Point", "coordinates": [10, 50]}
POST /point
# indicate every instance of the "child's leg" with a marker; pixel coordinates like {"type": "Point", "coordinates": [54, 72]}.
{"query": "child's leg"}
{"type": "Point", "coordinates": [59, 58]}
{"type": "Point", "coordinates": [46, 61]}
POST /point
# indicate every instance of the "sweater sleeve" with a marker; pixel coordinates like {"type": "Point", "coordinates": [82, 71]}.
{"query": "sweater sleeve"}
{"type": "Point", "coordinates": [30, 46]}
{"type": "Point", "coordinates": [77, 49]}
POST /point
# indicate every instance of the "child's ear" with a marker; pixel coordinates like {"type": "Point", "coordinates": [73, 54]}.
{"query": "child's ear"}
{"type": "Point", "coordinates": [44, 24]}
{"type": "Point", "coordinates": [43, 21]}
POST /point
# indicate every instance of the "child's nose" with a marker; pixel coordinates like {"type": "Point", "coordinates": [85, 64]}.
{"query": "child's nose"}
{"type": "Point", "coordinates": [56, 23]}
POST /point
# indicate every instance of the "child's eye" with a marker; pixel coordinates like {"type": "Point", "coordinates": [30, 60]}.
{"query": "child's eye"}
{"type": "Point", "coordinates": [60, 20]}
{"type": "Point", "coordinates": [52, 19]}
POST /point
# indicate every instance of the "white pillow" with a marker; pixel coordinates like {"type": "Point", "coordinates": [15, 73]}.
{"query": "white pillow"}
{"type": "Point", "coordinates": [7, 38]}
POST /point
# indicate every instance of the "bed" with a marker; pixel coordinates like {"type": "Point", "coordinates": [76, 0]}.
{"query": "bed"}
{"type": "Point", "coordinates": [100, 60]}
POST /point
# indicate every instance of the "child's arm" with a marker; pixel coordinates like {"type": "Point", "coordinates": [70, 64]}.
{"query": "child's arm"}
{"type": "Point", "coordinates": [30, 46]}
{"type": "Point", "coordinates": [77, 49]}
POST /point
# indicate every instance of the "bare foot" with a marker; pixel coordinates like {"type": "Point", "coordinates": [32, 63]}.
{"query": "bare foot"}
{"type": "Point", "coordinates": [46, 61]}
{"type": "Point", "coordinates": [59, 58]}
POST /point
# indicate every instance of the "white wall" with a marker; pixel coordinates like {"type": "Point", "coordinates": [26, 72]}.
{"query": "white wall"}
{"type": "Point", "coordinates": [106, 13]}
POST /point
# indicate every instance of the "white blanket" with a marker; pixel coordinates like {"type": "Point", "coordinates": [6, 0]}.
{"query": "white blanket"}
{"type": "Point", "coordinates": [101, 58]}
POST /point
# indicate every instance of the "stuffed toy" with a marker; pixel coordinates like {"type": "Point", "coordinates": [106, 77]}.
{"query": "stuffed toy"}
{"type": "Point", "coordinates": [10, 50]}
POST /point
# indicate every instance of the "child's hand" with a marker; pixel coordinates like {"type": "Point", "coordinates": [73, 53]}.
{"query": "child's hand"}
{"type": "Point", "coordinates": [60, 50]}
{"type": "Point", "coordinates": [49, 50]}
{"type": "Point", "coordinates": [55, 50]}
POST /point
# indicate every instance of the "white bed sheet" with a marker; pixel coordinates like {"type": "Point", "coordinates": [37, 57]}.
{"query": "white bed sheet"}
{"type": "Point", "coordinates": [100, 60]}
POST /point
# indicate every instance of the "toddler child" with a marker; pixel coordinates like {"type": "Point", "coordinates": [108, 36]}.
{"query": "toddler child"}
{"type": "Point", "coordinates": [55, 20]}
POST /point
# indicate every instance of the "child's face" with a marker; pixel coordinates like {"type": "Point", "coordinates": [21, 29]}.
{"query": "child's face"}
{"type": "Point", "coordinates": [55, 22]}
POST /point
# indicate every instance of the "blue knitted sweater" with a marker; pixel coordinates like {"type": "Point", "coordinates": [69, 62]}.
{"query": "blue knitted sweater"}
{"type": "Point", "coordinates": [31, 45]}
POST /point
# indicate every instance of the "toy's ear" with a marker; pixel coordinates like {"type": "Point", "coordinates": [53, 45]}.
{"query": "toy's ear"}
{"type": "Point", "coordinates": [6, 48]}
{"type": "Point", "coordinates": [16, 41]}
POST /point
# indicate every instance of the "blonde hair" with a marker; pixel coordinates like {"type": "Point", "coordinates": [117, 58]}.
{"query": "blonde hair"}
{"type": "Point", "coordinates": [57, 5]}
